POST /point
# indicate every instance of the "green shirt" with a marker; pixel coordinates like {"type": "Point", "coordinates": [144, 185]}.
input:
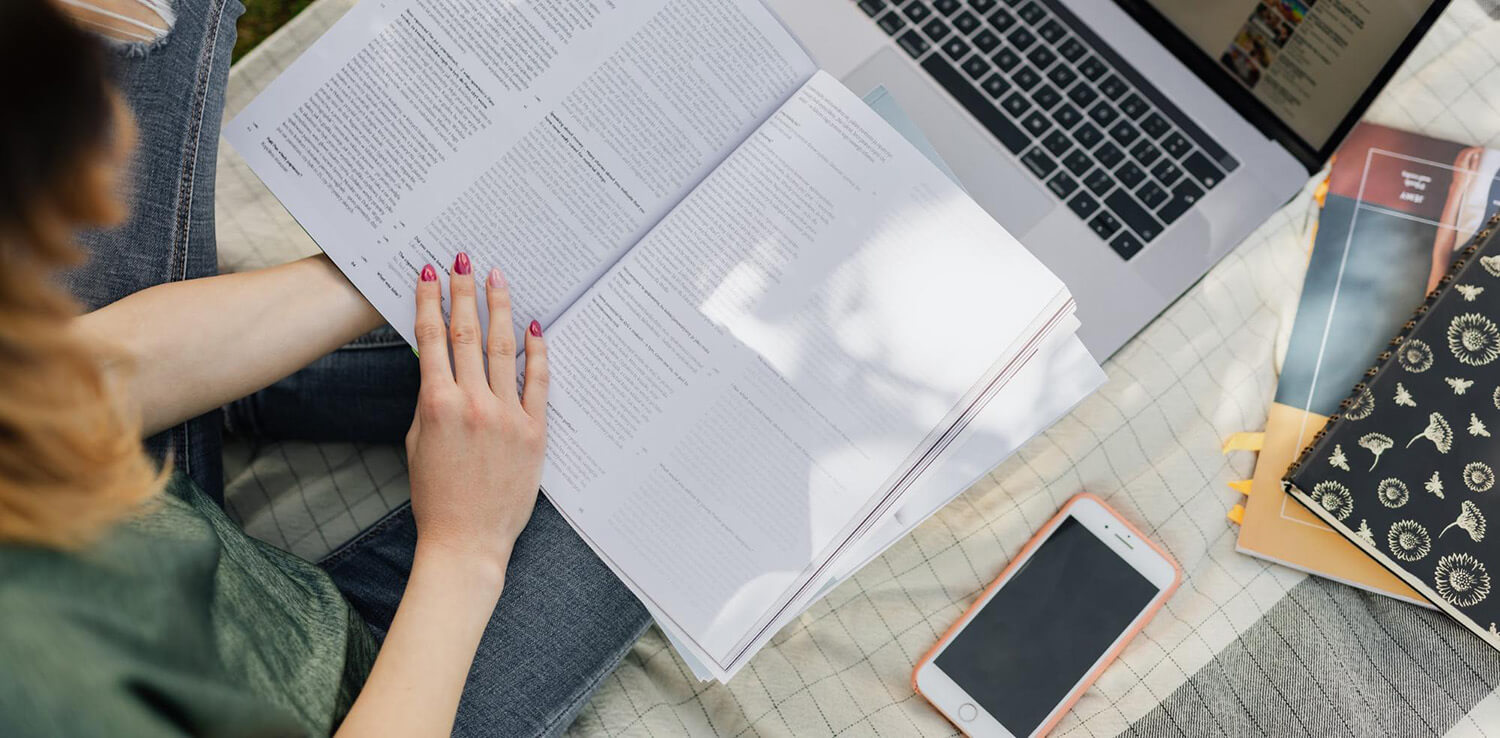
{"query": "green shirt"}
{"type": "Point", "coordinates": [176, 623]}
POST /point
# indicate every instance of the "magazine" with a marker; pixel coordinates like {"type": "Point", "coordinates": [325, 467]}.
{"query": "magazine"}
{"type": "Point", "coordinates": [1399, 206]}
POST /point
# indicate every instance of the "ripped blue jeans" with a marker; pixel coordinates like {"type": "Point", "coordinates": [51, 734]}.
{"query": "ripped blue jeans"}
{"type": "Point", "coordinates": [564, 620]}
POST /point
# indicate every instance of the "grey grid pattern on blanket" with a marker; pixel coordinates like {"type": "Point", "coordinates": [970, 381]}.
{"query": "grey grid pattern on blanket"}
{"type": "Point", "coordinates": [1244, 648]}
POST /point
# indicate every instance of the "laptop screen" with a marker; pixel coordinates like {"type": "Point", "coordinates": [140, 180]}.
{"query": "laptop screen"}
{"type": "Point", "coordinates": [1307, 61]}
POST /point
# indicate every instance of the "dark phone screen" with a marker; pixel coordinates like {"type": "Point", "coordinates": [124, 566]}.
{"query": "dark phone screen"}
{"type": "Point", "coordinates": [1045, 627]}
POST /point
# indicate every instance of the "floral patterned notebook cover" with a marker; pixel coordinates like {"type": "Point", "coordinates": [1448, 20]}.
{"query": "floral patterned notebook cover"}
{"type": "Point", "coordinates": [1407, 468]}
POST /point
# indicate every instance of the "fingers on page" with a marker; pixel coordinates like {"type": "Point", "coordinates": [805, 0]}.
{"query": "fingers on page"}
{"type": "Point", "coordinates": [534, 396]}
{"type": "Point", "coordinates": [463, 324]}
{"type": "Point", "coordinates": [502, 338]}
{"type": "Point", "coordinates": [431, 334]}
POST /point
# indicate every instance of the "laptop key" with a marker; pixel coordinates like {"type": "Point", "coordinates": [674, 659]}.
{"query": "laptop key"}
{"type": "Point", "coordinates": [1062, 75]}
{"type": "Point", "coordinates": [1109, 155]}
{"type": "Point", "coordinates": [956, 48]}
{"type": "Point", "coordinates": [1130, 175]}
{"type": "Point", "coordinates": [1042, 57]}
{"type": "Point", "coordinates": [1151, 195]}
{"type": "Point", "coordinates": [1104, 225]}
{"type": "Point", "coordinates": [891, 23]}
{"type": "Point", "coordinates": [1062, 185]}
{"type": "Point", "coordinates": [917, 12]}
{"type": "Point", "coordinates": [1021, 38]}
{"type": "Point", "coordinates": [976, 67]}
{"type": "Point", "coordinates": [1082, 95]}
{"type": "Point", "coordinates": [1126, 244]}
{"type": "Point", "coordinates": [1038, 162]}
{"type": "Point", "coordinates": [1031, 13]}
{"type": "Point", "coordinates": [1099, 181]}
{"type": "Point", "coordinates": [1058, 143]}
{"type": "Point", "coordinates": [1072, 49]}
{"type": "Point", "coordinates": [983, 110]}
{"type": "Point", "coordinates": [995, 85]}
{"type": "Point", "coordinates": [1083, 205]}
{"type": "Point", "coordinates": [1202, 169]}
{"type": "Point", "coordinates": [1007, 59]}
{"type": "Point", "coordinates": [1155, 126]}
{"type": "Point", "coordinates": [1036, 123]}
{"type": "Point", "coordinates": [982, 6]}
{"type": "Point", "coordinates": [1134, 107]}
{"type": "Point", "coordinates": [1124, 133]}
{"type": "Point", "coordinates": [1016, 104]}
{"type": "Point", "coordinates": [1052, 31]}
{"type": "Point", "coordinates": [1184, 196]}
{"type": "Point", "coordinates": [913, 43]}
{"type": "Point", "coordinates": [986, 41]}
{"type": "Point", "coordinates": [936, 29]}
{"type": "Point", "coordinates": [1088, 135]}
{"type": "Point", "coordinates": [1103, 113]}
{"type": "Point", "coordinates": [965, 22]}
{"type": "Point", "coordinates": [1145, 152]}
{"type": "Point", "coordinates": [1078, 162]}
{"type": "Point", "coordinates": [1136, 217]}
{"type": "Point", "coordinates": [1113, 87]}
{"type": "Point", "coordinates": [1047, 97]}
{"type": "Point", "coordinates": [1025, 78]}
{"type": "Point", "coordinates": [1177, 145]}
{"type": "Point", "coordinates": [946, 7]}
{"type": "Point", "coordinates": [1001, 20]}
{"type": "Point", "coordinates": [1092, 68]}
{"type": "Point", "coordinates": [1166, 172]}
{"type": "Point", "coordinates": [1067, 116]}
{"type": "Point", "coordinates": [872, 8]}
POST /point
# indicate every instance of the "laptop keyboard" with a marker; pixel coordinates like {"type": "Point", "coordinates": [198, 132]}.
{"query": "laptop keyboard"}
{"type": "Point", "coordinates": [1083, 122]}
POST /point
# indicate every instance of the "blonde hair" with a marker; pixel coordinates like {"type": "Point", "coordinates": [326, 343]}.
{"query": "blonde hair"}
{"type": "Point", "coordinates": [71, 459]}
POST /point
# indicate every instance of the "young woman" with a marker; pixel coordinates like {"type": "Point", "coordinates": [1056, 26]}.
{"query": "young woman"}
{"type": "Point", "coordinates": [129, 603]}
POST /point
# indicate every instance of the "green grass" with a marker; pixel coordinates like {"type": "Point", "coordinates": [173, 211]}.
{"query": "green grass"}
{"type": "Point", "coordinates": [261, 18]}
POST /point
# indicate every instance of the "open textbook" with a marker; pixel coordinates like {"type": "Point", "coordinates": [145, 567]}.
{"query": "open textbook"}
{"type": "Point", "coordinates": [771, 317]}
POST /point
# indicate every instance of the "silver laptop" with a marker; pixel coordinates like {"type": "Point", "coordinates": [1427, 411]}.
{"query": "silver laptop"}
{"type": "Point", "coordinates": [1130, 144]}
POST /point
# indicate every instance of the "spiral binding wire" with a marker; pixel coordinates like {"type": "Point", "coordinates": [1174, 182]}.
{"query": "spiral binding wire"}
{"type": "Point", "coordinates": [1385, 356]}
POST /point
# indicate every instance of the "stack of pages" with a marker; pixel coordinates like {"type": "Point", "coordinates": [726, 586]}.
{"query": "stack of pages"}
{"type": "Point", "coordinates": [781, 335]}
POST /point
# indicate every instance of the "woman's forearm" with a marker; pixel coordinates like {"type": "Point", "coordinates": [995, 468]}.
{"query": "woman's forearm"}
{"type": "Point", "coordinates": [189, 347]}
{"type": "Point", "coordinates": [415, 685]}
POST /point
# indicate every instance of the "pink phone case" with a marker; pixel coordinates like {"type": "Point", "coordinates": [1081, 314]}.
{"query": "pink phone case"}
{"type": "Point", "coordinates": [1109, 658]}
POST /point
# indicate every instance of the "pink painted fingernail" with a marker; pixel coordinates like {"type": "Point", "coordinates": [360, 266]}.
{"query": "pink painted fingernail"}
{"type": "Point", "coordinates": [497, 279]}
{"type": "Point", "coordinates": [536, 329]}
{"type": "Point", "coordinates": [461, 264]}
{"type": "Point", "coordinates": [429, 274]}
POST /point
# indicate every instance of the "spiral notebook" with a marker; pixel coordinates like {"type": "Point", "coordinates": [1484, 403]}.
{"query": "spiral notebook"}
{"type": "Point", "coordinates": [1407, 468]}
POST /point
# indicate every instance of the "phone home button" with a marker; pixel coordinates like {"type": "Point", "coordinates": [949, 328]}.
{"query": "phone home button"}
{"type": "Point", "coordinates": [967, 712]}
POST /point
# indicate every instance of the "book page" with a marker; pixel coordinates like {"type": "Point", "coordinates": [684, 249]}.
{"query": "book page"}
{"type": "Point", "coordinates": [734, 398]}
{"type": "Point", "coordinates": [542, 137]}
{"type": "Point", "coordinates": [1054, 381]}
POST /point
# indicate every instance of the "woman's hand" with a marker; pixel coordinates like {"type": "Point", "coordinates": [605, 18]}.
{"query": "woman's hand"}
{"type": "Point", "coordinates": [475, 452]}
{"type": "Point", "coordinates": [475, 448]}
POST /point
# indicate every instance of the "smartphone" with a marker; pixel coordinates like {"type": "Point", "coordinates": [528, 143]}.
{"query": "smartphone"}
{"type": "Point", "coordinates": [1044, 630]}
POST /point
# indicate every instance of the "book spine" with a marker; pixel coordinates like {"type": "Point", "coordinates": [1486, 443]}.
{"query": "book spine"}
{"type": "Point", "coordinates": [1475, 245]}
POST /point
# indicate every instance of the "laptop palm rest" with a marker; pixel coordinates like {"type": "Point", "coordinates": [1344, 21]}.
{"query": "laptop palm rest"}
{"type": "Point", "coordinates": [994, 181]}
